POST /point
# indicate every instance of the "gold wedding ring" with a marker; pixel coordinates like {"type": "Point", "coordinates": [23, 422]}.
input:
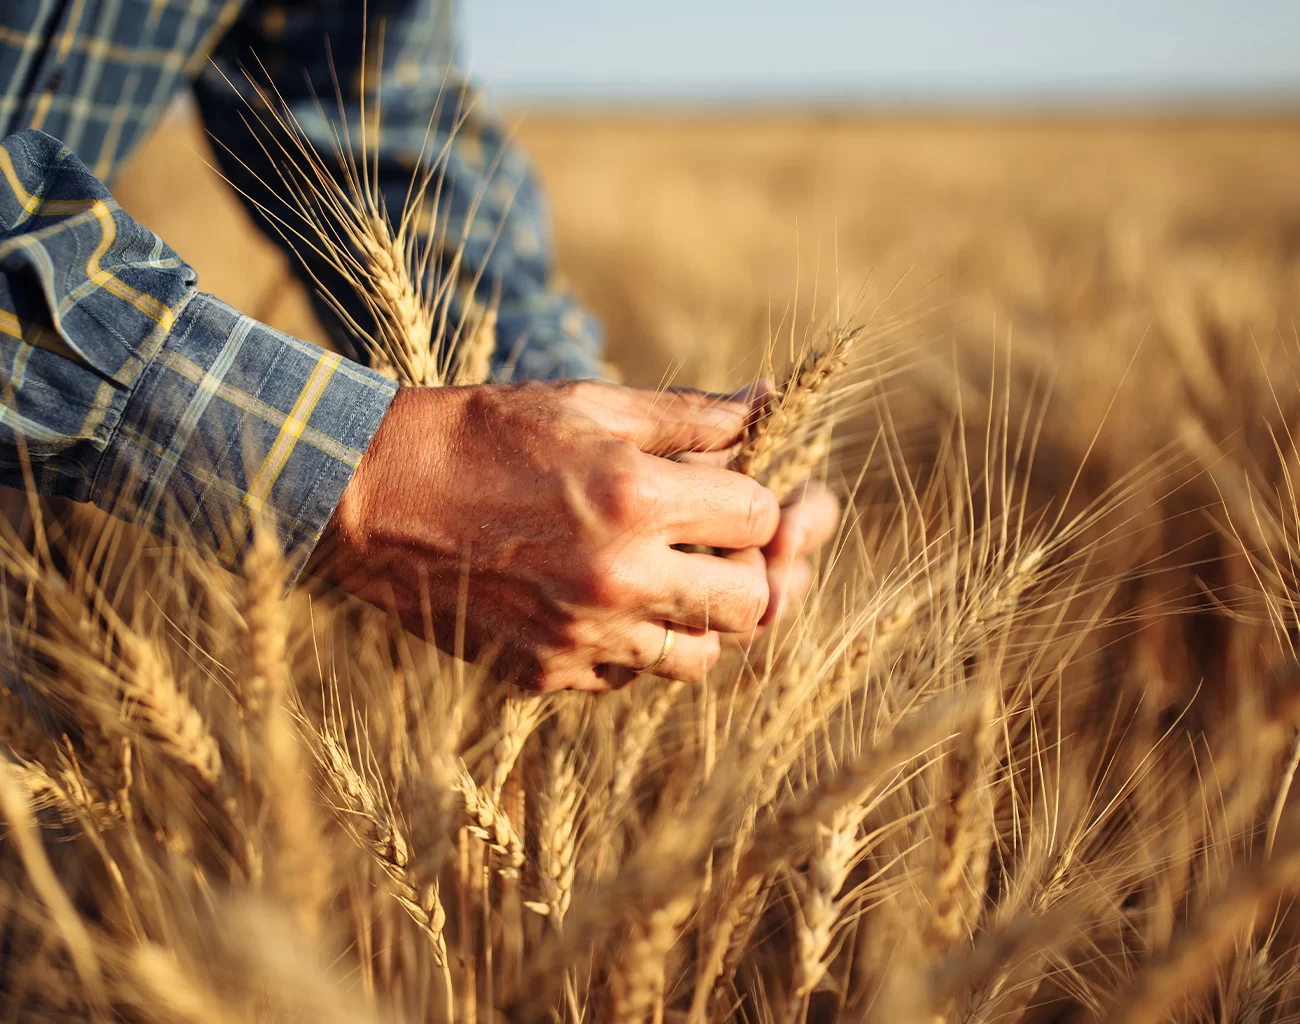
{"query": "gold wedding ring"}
{"type": "Point", "coordinates": [670, 637]}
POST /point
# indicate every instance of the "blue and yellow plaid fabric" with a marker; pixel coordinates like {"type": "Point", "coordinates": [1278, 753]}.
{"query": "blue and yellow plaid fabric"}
{"type": "Point", "coordinates": [125, 385]}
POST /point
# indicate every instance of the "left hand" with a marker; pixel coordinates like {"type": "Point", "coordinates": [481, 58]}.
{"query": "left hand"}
{"type": "Point", "coordinates": [809, 518]}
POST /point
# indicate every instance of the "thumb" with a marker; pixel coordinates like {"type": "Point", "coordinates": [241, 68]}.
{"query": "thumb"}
{"type": "Point", "coordinates": [676, 420]}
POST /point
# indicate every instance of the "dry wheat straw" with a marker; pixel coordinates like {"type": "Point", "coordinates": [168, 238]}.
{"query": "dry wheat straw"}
{"type": "Point", "coordinates": [1062, 844]}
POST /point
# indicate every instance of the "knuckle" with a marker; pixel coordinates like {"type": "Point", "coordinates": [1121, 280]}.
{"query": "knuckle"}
{"type": "Point", "coordinates": [536, 390]}
{"type": "Point", "coordinates": [622, 487]}
{"type": "Point", "coordinates": [573, 387]}
{"type": "Point", "coordinates": [583, 393]}
{"type": "Point", "coordinates": [566, 673]}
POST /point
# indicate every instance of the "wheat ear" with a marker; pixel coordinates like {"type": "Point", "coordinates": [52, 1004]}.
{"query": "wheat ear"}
{"type": "Point", "coordinates": [406, 324]}
{"type": "Point", "coordinates": [798, 467]}
{"type": "Point", "coordinates": [474, 364]}
{"type": "Point", "coordinates": [370, 824]}
{"type": "Point", "coordinates": [302, 866]}
{"type": "Point", "coordinates": [637, 983]}
{"type": "Point", "coordinates": [43, 770]}
{"type": "Point", "coordinates": [960, 823]}
{"type": "Point", "coordinates": [793, 404]}
{"type": "Point", "coordinates": [793, 825]}
{"type": "Point", "coordinates": [558, 837]}
{"type": "Point", "coordinates": [519, 719]}
{"type": "Point", "coordinates": [1182, 972]}
{"type": "Point", "coordinates": [487, 820]}
{"type": "Point", "coordinates": [162, 713]}
{"type": "Point", "coordinates": [642, 727]}
{"type": "Point", "coordinates": [818, 908]}
{"type": "Point", "coordinates": [741, 915]}
{"type": "Point", "coordinates": [799, 820]}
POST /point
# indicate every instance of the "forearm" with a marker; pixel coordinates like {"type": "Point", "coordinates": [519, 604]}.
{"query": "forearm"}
{"type": "Point", "coordinates": [126, 386]}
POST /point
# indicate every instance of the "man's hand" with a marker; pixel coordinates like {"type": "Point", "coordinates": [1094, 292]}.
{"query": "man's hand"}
{"type": "Point", "coordinates": [809, 519]}
{"type": "Point", "coordinates": [540, 519]}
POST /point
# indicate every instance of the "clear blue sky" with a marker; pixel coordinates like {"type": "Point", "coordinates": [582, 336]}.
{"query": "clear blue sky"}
{"type": "Point", "coordinates": [924, 49]}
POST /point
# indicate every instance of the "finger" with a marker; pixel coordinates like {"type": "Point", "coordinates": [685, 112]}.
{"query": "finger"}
{"type": "Point", "coordinates": [691, 654]}
{"type": "Point", "coordinates": [751, 557]}
{"type": "Point", "coordinates": [665, 421]}
{"type": "Point", "coordinates": [709, 592]}
{"type": "Point", "coordinates": [806, 524]}
{"type": "Point", "coordinates": [714, 507]}
{"type": "Point", "coordinates": [788, 583]}
{"type": "Point", "coordinates": [547, 675]}
{"type": "Point", "coordinates": [582, 680]}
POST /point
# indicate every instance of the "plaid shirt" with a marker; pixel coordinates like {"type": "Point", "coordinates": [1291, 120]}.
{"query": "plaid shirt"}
{"type": "Point", "coordinates": [125, 385]}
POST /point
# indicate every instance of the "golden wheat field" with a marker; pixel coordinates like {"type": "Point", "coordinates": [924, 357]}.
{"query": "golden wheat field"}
{"type": "Point", "coordinates": [1024, 754]}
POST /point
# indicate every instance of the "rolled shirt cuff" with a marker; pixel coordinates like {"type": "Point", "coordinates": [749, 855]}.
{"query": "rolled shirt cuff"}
{"type": "Point", "coordinates": [235, 425]}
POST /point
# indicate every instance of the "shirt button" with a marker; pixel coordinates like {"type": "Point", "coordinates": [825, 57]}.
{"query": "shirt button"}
{"type": "Point", "coordinates": [56, 80]}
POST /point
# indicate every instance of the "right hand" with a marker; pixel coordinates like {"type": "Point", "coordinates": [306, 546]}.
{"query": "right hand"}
{"type": "Point", "coordinates": [541, 519]}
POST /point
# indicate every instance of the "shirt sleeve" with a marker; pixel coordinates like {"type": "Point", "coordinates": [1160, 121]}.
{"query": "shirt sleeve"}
{"type": "Point", "coordinates": [485, 199]}
{"type": "Point", "coordinates": [125, 385]}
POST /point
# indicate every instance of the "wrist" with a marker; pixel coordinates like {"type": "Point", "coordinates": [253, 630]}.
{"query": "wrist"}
{"type": "Point", "coordinates": [399, 480]}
